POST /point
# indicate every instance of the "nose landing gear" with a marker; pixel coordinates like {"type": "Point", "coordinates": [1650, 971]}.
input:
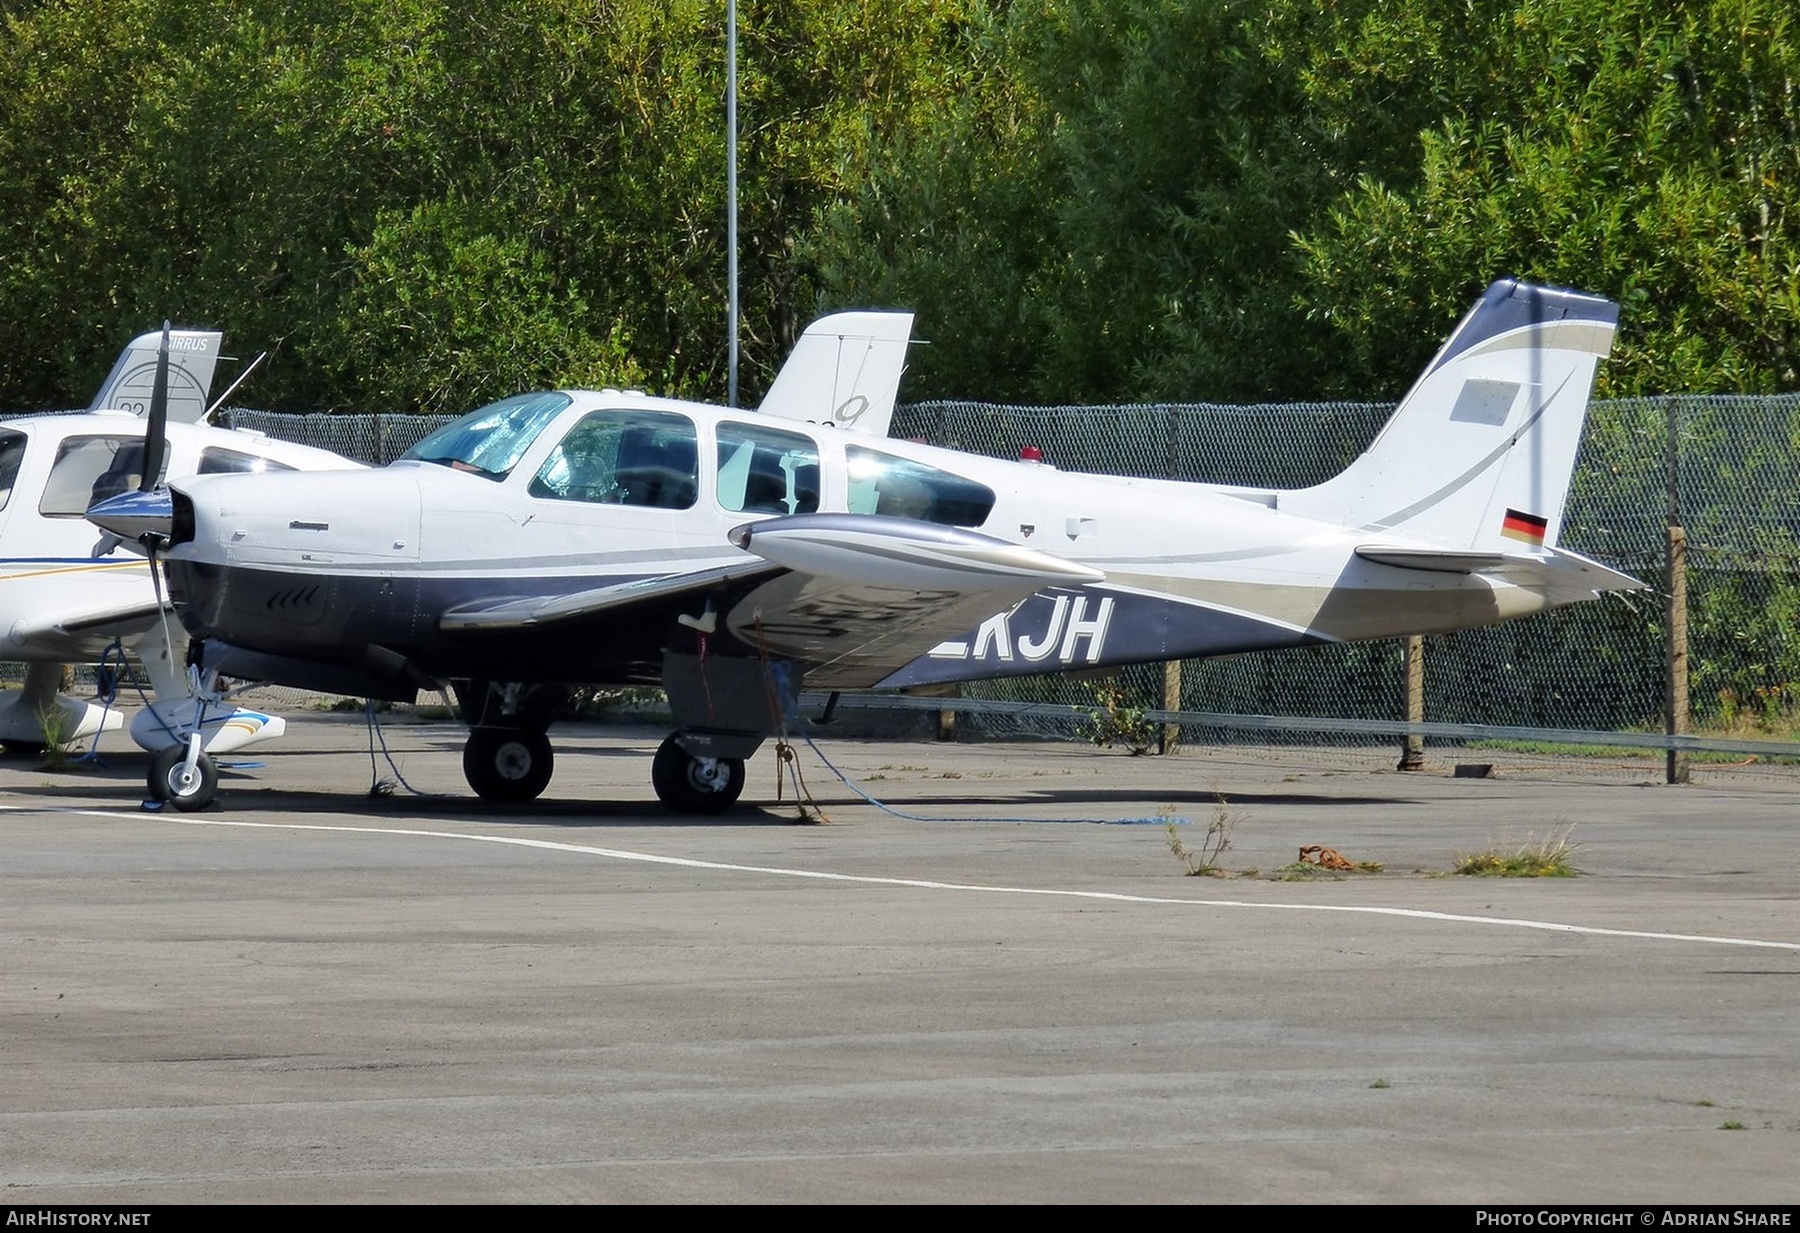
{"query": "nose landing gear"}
{"type": "Point", "coordinates": [173, 780]}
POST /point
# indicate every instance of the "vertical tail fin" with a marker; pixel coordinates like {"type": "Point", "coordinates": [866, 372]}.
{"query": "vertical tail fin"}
{"type": "Point", "coordinates": [193, 354]}
{"type": "Point", "coordinates": [1481, 450]}
{"type": "Point", "coordinates": [844, 371]}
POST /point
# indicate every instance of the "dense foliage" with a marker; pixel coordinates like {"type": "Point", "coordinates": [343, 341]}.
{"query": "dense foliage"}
{"type": "Point", "coordinates": [420, 204]}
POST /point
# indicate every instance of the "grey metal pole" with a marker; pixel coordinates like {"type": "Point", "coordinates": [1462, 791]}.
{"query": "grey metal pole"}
{"type": "Point", "coordinates": [1675, 664]}
{"type": "Point", "coordinates": [731, 194]}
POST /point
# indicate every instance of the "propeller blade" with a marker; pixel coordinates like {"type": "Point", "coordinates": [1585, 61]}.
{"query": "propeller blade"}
{"type": "Point", "coordinates": [156, 429]}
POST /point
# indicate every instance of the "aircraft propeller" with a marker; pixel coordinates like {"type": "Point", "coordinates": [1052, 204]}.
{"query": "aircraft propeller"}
{"type": "Point", "coordinates": [183, 774]}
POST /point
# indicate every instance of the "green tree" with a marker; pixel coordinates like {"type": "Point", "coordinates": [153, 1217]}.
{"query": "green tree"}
{"type": "Point", "coordinates": [420, 204]}
{"type": "Point", "coordinates": [1646, 151]}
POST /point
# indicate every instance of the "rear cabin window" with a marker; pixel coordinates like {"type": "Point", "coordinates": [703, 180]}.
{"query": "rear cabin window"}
{"type": "Point", "coordinates": [90, 469]}
{"type": "Point", "coordinates": [767, 471]}
{"type": "Point", "coordinates": [648, 458]}
{"type": "Point", "coordinates": [883, 484]}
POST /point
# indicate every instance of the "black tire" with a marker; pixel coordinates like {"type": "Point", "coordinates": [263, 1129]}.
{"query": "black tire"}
{"type": "Point", "coordinates": [508, 764]}
{"type": "Point", "coordinates": [167, 784]}
{"type": "Point", "coordinates": [680, 783]}
{"type": "Point", "coordinates": [23, 749]}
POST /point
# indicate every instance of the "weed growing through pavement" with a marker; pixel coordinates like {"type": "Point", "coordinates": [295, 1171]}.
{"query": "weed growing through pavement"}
{"type": "Point", "coordinates": [55, 725]}
{"type": "Point", "coordinates": [1114, 721]}
{"type": "Point", "coordinates": [1205, 862]}
{"type": "Point", "coordinates": [1551, 858]}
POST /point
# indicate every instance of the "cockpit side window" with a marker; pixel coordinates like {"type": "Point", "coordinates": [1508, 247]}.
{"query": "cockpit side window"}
{"type": "Point", "coordinates": [90, 469]}
{"type": "Point", "coordinates": [490, 441]}
{"type": "Point", "coordinates": [648, 458]}
{"type": "Point", "coordinates": [883, 484]}
{"type": "Point", "coordinates": [12, 454]}
{"type": "Point", "coordinates": [767, 471]}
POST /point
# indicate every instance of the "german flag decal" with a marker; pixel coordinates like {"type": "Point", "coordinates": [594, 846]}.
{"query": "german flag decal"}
{"type": "Point", "coordinates": [1527, 528]}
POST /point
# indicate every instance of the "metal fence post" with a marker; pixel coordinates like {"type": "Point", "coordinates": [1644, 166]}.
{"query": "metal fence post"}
{"type": "Point", "coordinates": [1170, 738]}
{"type": "Point", "coordinates": [1677, 716]}
{"type": "Point", "coordinates": [1412, 745]}
{"type": "Point", "coordinates": [1675, 663]}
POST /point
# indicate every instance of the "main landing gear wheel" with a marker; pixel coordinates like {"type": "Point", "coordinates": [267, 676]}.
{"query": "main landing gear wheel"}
{"type": "Point", "coordinates": [172, 782]}
{"type": "Point", "coordinates": [688, 784]}
{"type": "Point", "coordinates": [507, 764]}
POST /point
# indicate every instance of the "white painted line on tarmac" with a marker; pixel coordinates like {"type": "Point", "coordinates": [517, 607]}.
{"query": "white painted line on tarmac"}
{"type": "Point", "coordinates": [684, 862]}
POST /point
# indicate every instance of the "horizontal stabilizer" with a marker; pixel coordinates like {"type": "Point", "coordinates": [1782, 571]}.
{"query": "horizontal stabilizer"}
{"type": "Point", "coordinates": [1432, 559]}
{"type": "Point", "coordinates": [1556, 572]}
{"type": "Point", "coordinates": [844, 371]}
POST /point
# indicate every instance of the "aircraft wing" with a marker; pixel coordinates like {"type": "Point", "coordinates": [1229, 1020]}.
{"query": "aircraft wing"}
{"type": "Point", "coordinates": [850, 596]}
{"type": "Point", "coordinates": [514, 613]}
{"type": "Point", "coordinates": [866, 594]}
{"type": "Point", "coordinates": [67, 631]}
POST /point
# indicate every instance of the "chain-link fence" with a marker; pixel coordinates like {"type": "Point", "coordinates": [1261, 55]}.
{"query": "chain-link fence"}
{"type": "Point", "coordinates": [374, 439]}
{"type": "Point", "coordinates": [1728, 468]}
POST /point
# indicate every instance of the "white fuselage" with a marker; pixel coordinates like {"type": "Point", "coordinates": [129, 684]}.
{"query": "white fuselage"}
{"type": "Point", "coordinates": [375, 558]}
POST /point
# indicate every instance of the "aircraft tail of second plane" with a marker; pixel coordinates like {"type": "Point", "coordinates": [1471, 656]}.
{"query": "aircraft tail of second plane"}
{"type": "Point", "coordinates": [1479, 454]}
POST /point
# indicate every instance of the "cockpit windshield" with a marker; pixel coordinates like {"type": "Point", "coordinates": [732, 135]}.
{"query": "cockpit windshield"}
{"type": "Point", "coordinates": [489, 442]}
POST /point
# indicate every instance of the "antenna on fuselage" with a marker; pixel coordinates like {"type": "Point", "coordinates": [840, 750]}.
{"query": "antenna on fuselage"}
{"type": "Point", "coordinates": [232, 388]}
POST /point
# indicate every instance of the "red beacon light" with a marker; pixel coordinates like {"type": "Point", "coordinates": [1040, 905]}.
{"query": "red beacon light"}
{"type": "Point", "coordinates": [1031, 454]}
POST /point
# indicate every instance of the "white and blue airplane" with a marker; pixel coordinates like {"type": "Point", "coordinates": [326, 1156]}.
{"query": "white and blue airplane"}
{"type": "Point", "coordinates": [606, 537]}
{"type": "Point", "coordinates": [65, 597]}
